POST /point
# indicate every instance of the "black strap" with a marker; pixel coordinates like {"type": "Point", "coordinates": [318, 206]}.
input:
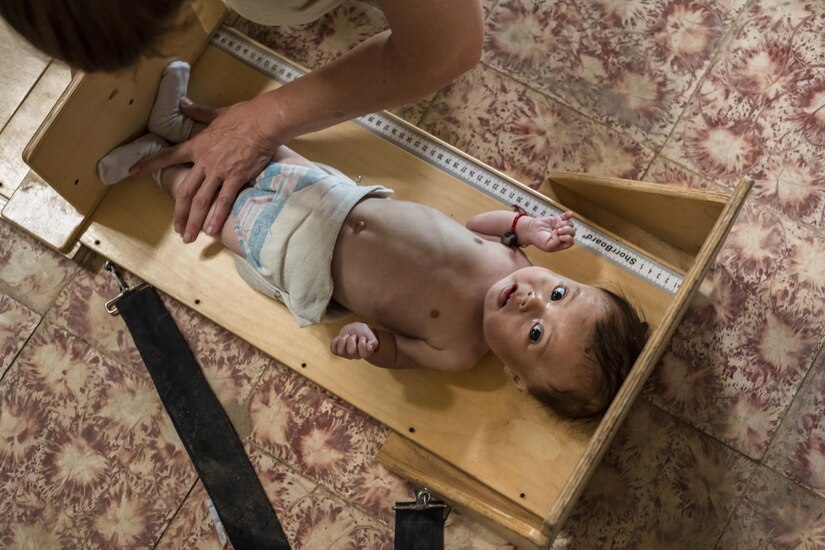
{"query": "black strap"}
{"type": "Point", "coordinates": [419, 525]}
{"type": "Point", "coordinates": [212, 444]}
{"type": "Point", "coordinates": [419, 529]}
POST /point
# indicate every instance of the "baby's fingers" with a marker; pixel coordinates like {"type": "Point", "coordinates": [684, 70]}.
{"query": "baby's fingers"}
{"type": "Point", "coordinates": [564, 222]}
{"type": "Point", "coordinates": [352, 345]}
{"type": "Point", "coordinates": [364, 348]}
{"type": "Point", "coordinates": [336, 346]}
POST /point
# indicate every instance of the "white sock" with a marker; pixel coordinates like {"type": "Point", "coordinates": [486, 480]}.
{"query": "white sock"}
{"type": "Point", "coordinates": [166, 119]}
{"type": "Point", "coordinates": [114, 167]}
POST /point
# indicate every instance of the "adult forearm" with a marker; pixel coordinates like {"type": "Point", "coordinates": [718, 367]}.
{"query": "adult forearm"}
{"type": "Point", "coordinates": [371, 77]}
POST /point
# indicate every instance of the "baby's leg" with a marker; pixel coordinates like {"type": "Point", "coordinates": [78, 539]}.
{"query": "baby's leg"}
{"type": "Point", "coordinates": [167, 120]}
{"type": "Point", "coordinates": [288, 156]}
{"type": "Point", "coordinates": [114, 167]}
{"type": "Point", "coordinates": [172, 178]}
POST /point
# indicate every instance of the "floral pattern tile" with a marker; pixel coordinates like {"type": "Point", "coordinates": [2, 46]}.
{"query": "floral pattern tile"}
{"type": "Point", "coordinates": [337, 447]}
{"type": "Point", "coordinates": [750, 335]}
{"type": "Point", "coordinates": [522, 133]}
{"type": "Point", "coordinates": [315, 44]}
{"type": "Point", "coordinates": [798, 449]}
{"type": "Point", "coordinates": [413, 113]}
{"type": "Point", "coordinates": [17, 322]}
{"type": "Point", "coordinates": [79, 309]}
{"type": "Point", "coordinates": [375, 489]}
{"type": "Point", "coordinates": [192, 527]}
{"type": "Point", "coordinates": [661, 484]}
{"type": "Point", "coordinates": [325, 440]}
{"type": "Point", "coordinates": [30, 272]}
{"type": "Point", "coordinates": [488, 6]}
{"type": "Point", "coordinates": [461, 533]}
{"type": "Point", "coordinates": [87, 456]}
{"type": "Point", "coordinates": [776, 513]}
{"type": "Point", "coordinates": [311, 517]}
{"type": "Point", "coordinates": [760, 110]}
{"type": "Point", "coordinates": [662, 170]}
{"type": "Point", "coordinates": [280, 404]}
{"type": "Point", "coordinates": [89, 459]}
{"type": "Point", "coordinates": [631, 65]}
{"type": "Point", "coordinates": [231, 366]}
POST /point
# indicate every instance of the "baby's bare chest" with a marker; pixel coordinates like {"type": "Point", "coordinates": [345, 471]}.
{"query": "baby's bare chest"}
{"type": "Point", "coordinates": [416, 271]}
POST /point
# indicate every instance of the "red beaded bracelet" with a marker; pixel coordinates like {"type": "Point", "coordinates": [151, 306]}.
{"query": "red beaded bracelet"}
{"type": "Point", "coordinates": [510, 238]}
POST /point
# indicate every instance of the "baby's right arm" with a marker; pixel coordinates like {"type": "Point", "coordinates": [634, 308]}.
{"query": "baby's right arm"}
{"type": "Point", "coordinates": [548, 233]}
{"type": "Point", "coordinates": [394, 351]}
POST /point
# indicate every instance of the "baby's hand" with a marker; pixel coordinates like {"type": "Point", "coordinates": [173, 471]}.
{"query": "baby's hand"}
{"type": "Point", "coordinates": [552, 233]}
{"type": "Point", "coordinates": [354, 341]}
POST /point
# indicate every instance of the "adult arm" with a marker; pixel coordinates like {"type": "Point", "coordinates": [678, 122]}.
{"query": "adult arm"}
{"type": "Point", "coordinates": [429, 43]}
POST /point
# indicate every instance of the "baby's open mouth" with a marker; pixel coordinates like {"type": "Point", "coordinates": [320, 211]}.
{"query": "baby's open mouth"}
{"type": "Point", "coordinates": [506, 294]}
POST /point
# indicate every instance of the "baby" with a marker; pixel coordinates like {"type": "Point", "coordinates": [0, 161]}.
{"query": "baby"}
{"type": "Point", "coordinates": [440, 294]}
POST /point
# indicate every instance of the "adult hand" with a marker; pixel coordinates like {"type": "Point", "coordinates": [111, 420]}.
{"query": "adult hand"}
{"type": "Point", "coordinates": [229, 152]}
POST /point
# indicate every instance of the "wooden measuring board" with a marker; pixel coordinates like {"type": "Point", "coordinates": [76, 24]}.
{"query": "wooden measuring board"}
{"type": "Point", "coordinates": [473, 435]}
{"type": "Point", "coordinates": [25, 121]}
{"type": "Point", "coordinates": [21, 66]}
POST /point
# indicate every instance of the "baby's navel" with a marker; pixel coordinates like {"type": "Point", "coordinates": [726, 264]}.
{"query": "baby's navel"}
{"type": "Point", "coordinates": [434, 313]}
{"type": "Point", "coordinates": [360, 226]}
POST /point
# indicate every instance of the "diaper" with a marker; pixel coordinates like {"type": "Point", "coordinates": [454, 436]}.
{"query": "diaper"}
{"type": "Point", "coordinates": [287, 224]}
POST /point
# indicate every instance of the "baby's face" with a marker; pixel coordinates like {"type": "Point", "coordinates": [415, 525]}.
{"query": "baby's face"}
{"type": "Point", "coordinates": [539, 324]}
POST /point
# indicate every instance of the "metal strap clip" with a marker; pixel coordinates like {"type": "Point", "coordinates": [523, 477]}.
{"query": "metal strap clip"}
{"type": "Point", "coordinates": [111, 305]}
{"type": "Point", "coordinates": [423, 501]}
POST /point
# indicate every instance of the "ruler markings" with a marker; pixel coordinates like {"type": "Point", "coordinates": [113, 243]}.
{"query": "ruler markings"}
{"type": "Point", "coordinates": [417, 143]}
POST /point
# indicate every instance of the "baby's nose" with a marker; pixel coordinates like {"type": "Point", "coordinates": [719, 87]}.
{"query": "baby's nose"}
{"type": "Point", "coordinates": [530, 301]}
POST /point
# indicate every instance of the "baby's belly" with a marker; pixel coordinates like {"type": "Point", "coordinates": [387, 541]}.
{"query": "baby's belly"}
{"type": "Point", "coordinates": [409, 268]}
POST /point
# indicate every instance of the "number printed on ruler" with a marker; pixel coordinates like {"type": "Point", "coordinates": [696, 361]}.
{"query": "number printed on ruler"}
{"type": "Point", "coordinates": [417, 143]}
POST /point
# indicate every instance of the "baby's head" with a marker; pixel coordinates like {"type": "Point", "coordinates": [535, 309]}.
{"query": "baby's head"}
{"type": "Point", "coordinates": [567, 344]}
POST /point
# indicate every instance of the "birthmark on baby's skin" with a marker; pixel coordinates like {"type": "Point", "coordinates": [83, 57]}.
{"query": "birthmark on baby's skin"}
{"type": "Point", "coordinates": [434, 314]}
{"type": "Point", "coordinates": [360, 226]}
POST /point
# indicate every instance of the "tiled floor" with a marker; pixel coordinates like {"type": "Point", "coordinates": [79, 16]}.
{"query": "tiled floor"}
{"type": "Point", "coordinates": [726, 448]}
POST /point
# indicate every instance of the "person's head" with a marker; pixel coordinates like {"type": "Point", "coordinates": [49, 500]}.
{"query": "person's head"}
{"type": "Point", "coordinates": [567, 344]}
{"type": "Point", "coordinates": [93, 35]}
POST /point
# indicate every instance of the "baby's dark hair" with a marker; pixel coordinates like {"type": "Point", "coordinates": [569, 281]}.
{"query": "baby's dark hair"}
{"type": "Point", "coordinates": [93, 35]}
{"type": "Point", "coordinates": [617, 340]}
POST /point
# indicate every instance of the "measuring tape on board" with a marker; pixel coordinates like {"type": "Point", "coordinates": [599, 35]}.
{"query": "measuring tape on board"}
{"type": "Point", "coordinates": [418, 143]}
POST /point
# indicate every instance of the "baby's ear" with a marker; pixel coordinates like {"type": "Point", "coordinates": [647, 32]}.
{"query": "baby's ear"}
{"type": "Point", "coordinates": [515, 379]}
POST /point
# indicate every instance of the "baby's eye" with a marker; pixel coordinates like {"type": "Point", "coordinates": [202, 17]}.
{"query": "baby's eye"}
{"type": "Point", "coordinates": [558, 293]}
{"type": "Point", "coordinates": [535, 333]}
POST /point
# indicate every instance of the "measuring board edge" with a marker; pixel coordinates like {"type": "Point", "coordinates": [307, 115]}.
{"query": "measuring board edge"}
{"type": "Point", "coordinates": [418, 143]}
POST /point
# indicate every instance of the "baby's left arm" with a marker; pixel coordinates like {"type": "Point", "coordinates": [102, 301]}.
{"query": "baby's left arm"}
{"type": "Point", "coordinates": [548, 233]}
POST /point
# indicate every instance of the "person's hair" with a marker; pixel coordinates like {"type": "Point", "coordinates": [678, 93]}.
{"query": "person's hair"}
{"type": "Point", "coordinates": [93, 35]}
{"type": "Point", "coordinates": [617, 340]}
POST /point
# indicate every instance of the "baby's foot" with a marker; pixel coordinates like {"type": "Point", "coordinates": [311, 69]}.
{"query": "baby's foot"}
{"type": "Point", "coordinates": [114, 167]}
{"type": "Point", "coordinates": [166, 119]}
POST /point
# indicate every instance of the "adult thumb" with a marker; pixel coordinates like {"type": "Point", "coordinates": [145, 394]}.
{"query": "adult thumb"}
{"type": "Point", "coordinates": [198, 113]}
